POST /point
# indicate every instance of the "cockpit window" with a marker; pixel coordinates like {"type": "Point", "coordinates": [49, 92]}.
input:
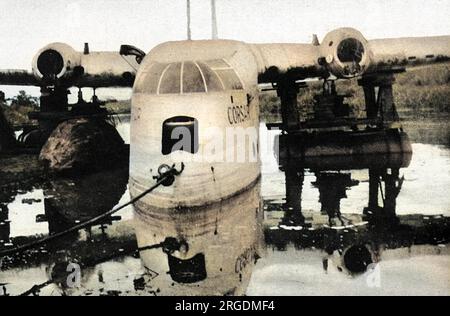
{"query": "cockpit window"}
{"type": "Point", "coordinates": [227, 75]}
{"type": "Point", "coordinates": [192, 78]}
{"type": "Point", "coordinates": [170, 79]}
{"type": "Point", "coordinates": [188, 77]}
{"type": "Point", "coordinates": [211, 78]}
{"type": "Point", "coordinates": [155, 71]}
{"type": "Point", "coordinates": [230, 79]}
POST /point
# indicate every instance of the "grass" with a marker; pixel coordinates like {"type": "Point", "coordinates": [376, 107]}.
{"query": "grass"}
{"type": "Point", "coordinates": [16, 111]}
{"type": "Point", "coordinates": [18, 115]}
{"type": "Point", "coordinates": [118, 107]}
{"type": "Point", "coordinates": [422, 91]}
{"type": "Point", "coordinates": [19, 106]}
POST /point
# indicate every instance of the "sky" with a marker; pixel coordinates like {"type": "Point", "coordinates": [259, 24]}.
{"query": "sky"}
{"type": "Point", "coordinates": [28, 25]}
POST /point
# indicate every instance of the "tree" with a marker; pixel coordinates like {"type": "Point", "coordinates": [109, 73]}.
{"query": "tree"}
{"type": "Point", "coordinates": [23, 99]}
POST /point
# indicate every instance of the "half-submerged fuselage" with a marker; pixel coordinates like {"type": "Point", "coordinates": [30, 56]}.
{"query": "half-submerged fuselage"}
{"type": "Point", "coordinates": [196, 103]}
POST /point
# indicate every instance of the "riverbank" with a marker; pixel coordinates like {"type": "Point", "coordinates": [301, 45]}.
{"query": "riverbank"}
{"type": "Point", "coordinates": [423, 90]}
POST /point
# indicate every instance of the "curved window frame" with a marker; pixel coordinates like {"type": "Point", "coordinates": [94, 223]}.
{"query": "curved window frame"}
{"type": "Point", "coordinates": [226, 67]}
{"type": "Point", "coordinates": [201, 74]}
{"type": "Point", "coordinates": [215, 70]}
{"type": "Point", "coordinates": [160, 79]}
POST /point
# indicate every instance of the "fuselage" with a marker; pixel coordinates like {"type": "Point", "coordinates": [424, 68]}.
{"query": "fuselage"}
{"type": "Point", "coordinates": [196, 103]}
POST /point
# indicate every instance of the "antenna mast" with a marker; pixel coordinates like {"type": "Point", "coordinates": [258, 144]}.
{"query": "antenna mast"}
{"type": "Point", "coordinates": [188, 12]}
{"type": "Point", "coordinates": [214, 34]}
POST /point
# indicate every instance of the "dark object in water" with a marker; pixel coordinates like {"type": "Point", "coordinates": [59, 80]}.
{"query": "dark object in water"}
{"type": "Point", "coordinates": [187, 271]}
{"type": "Point", "coordinates": [357, 258]}
{"type": "Point", "coordinates": [80, 145]}
{"type": "Point", "coordinates": [7, 138]}
{"type": "Point", "coordinates": [72, 200]}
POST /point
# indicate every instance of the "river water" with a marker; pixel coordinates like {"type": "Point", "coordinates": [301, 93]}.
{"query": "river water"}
{"type": "Point", "coordinates": [378, 230]}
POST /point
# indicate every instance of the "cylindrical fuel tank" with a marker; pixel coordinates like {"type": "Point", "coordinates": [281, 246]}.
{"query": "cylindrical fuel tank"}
{"type": "Point", "coordinates": [332, 149]}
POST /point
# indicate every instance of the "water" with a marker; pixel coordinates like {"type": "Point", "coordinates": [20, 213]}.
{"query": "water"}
{"type": "Point", "coordinates": [327, 232]}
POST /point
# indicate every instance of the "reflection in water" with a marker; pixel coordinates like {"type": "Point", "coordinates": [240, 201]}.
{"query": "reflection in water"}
{"type": "Point", "coordinates": [7, 195]}
{"type": "Point", "coordinates": [338, 217]}
{"type": "Point", "coordinates": [69, 201]}
{"type": "Point", "coordinates": [355, 241]}
{"type": "Point", "coordinates": [5, 229]}
{"type": "Point", "coordinates": [66, 203]}
{"type": "Point", "coordinates": [333, 184]}
{"type": "Point", "coordinates": [332, 188]}
{"type": "Point", "coordinates": [220, 245]}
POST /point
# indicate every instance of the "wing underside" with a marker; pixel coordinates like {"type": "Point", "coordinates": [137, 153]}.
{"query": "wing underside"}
{"type": "Point", "coordinates": [343, 53]}
{"type": "Point", "coordinates": [25, 78]}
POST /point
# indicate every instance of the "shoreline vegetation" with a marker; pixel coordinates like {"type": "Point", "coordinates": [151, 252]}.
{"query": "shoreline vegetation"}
{"type": "Point", "coordinates": [16, 109]}
{"type": "Point", "coordinates": [118, 107]}
{"type": "Point", "coordinates": [422, 94]}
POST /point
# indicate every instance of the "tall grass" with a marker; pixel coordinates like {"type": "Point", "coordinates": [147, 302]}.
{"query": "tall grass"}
{"type": "Point", "coordinates": [18, 109]}
{"type": "Point", "coordinates": [421, 91]}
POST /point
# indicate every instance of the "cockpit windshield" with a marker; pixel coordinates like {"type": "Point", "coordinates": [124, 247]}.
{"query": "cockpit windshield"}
{"type": "Point", "coordinates": [188, 77]}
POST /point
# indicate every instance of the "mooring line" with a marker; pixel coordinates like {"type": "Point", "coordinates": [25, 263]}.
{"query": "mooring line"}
{"type": "Point", "coordinates": [170, 173]}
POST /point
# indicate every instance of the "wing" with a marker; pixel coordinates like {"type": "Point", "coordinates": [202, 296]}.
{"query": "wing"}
{"type": "Point", "coordinates": [101, 80]}
{"type": "Point", "coordinates": [59, 64]}
{"type": "Point", "coordinates": [345, 53]}
{"type": "Point", "coordinates": [410, 51]}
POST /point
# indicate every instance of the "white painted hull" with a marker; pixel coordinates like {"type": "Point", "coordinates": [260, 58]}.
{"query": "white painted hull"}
{"type": "Point", "coordinates": [208, 177]}
{"type": "Point", "coordinates": [228, 234]}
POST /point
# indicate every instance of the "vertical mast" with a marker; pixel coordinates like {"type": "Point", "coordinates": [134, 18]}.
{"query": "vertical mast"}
{"type": "Point", "coordinates": [188, 12]}
{"type": "Point", "coordinates": [214, 34]}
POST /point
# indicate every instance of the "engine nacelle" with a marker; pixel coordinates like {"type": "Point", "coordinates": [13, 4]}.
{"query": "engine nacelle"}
{"type": "Point", "coordinates": [345, 52]}
{"type": "Point", "coordinates": [55, 60]}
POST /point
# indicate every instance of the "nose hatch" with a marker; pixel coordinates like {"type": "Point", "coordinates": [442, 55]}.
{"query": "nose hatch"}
{"type": "Point", "coordinates": [179, 133]}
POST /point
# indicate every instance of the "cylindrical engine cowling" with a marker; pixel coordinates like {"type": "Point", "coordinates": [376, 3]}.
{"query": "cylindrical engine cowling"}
{"type": "Point", "coordinates": [345, 53]}
{"type": "Point", "coordinates": [55, 60]}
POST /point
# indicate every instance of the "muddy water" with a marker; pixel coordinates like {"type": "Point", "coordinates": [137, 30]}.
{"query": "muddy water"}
{"type": "Point", "coordinates": [379, 230]}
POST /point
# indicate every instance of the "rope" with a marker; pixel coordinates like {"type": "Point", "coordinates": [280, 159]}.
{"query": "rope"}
{"type": "Point", "coordinates": [162, 180]}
